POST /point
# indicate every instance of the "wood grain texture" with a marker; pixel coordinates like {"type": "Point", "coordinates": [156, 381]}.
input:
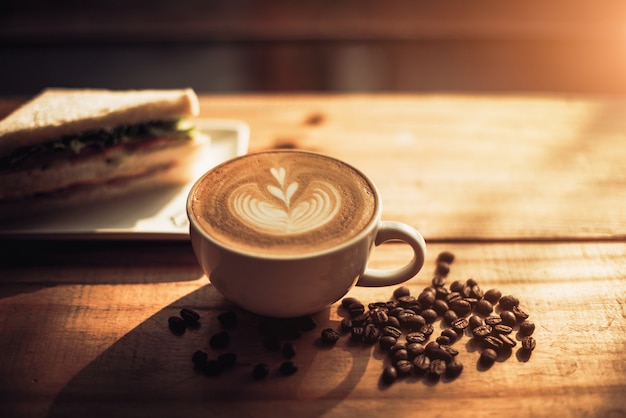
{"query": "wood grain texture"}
{"type": "Point", "coordinates": [105, 349]}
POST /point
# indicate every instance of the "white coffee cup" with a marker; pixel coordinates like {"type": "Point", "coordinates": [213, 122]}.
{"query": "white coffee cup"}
{"type": "Point", "coordinates": [285, 233]}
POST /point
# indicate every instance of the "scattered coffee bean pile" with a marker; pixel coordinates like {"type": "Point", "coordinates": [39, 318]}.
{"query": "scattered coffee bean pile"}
{"type": "Point", "coordinates": [402, 326]}
{"type": "Point", "coordinates": [463, 308]}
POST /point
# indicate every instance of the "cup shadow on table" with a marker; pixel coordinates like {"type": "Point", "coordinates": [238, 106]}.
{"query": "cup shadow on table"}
{"type": "Point", "coordinates": [149, 372]}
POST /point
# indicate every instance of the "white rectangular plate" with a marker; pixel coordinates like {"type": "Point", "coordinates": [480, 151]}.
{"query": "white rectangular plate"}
{"type": "Point", "coordinates": [153, 215]}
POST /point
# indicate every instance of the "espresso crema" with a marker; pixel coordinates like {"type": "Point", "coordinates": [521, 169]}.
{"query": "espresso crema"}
{"type": "Point", "coordinates": [283, 203]}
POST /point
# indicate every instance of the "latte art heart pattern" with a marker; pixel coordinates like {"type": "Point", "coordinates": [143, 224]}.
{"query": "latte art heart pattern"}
{"type": "Point", "coordinates": [286, 209]}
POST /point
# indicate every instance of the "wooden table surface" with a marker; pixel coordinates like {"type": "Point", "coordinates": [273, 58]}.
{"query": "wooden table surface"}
{"type": "Point", "coordinates": [528, 192]}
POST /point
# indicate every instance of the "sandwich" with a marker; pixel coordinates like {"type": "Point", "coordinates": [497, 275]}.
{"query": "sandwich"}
{"type": "Point", "coordinates": [71, 146]}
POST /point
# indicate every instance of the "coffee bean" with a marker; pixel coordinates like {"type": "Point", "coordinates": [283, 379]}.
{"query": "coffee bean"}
{"type": "Point", "coordinates": [427, 330]}
{"type": "Point", "coordinates": [507, 341]}
{"type": "Point", "coordinates": [443, 340]}
{"type": "Point", "coordinates": [396, 347]}
{"type": "Point", "coordinates": [329, 336]}
{"type": "Point", "coordinates": [454, 369]}
{"type": "Point", "coordinates": [445, 257]}
{"type": "Point", "coordinates": [450, 316]}
{"type": "Point", "coordinates": [355, 309]}
{"type": "Point", "coordinates": [440, 306]}
{"type": "Point", "coordinates": [356, 333]}
{"type": "Point", "coordinates": [482, 331]}
{"type": "Point", "coordinates": [526, 328]}
{"type": "Point", "coordinates": [442, 269]}
{"type": "Point", "coordinates": [474, 322]}
{"type": "Point", "coordinates": [406, 301]}
{"type": "Point", "coordinates": [452, 296]}
{"type": "Point", "coordinates": [460, 325]}
{"type": "Point", "coordinates": [390, 374]}
{"type": "Point", "coordinates": [437, 368]}
{"type": "Point", "coordinates": [429, 315]}
{"type": "Point", "coordinates": [288, 368]}
{"type": "Point", "coordinates": [508, 302]}
{"type": "Point", "coordinates": [190, 316]}
{"type": "Point", "coordinates": [427, 298]}
{"type": "Point", "coordinates": [401, 354]}
{"type": "Point", "coordinates": [392, 332]}
{"type": "Point", "coordinates": [460, 306]}
{"type": "Point", "coordinates": [438, 281]}
{"type": "Point", "coordinates": [457, 286]}
{"type": "Point", "coordinates": [421, 365]}
{"type": "Point", "coordinates": [199, 358]}
{"type": "Point", "coordinates": [401, 291]}
{"type": "Point", "coordinates": [386, 342]}
{"type": "Point", "coordinates": [508, 318]}
{"type": "Point", "coordinates": [228, 319]}
{"type": "Point", "coordinates": [288, 350]}
{"type": "Point", "coordinates": [528, 343]}
{"type": "Point", "coordinates": [439, 354]}
{"type": "Point", "coordinates": [360, 319]}
{"type": "Point", "coordinates": [404, 367]}
{"type": "Point", "coordinates": [379, 316]}
{"type": "Point", "coordinates": [450, 350]}
{"type": "Point", "coordinates": [395, 311]}
{"type": "Point", "coordinates": [260, 371]}
{"type": "Point", "coordinates": [347, 301]}
{"type": "Point", "coordinates": [415, 349]}
{"type": "Point", "coordinates": [492, 342]}
{"type": "Point", "coordinates": [371, 334]}
{"type": "Point", "coordinates": [493, 295]}
{"type": "Point", "coordinates": [493, 320]}
{"type": "Point", "coordinates": [346, 324]}
{"type": "Point", "coordinates": [451, 334]}
{"type": "Point", "coordinates": [483, 307]}
{"type": "Point", "coordinates": [392, 321]}
{"type": "Point", "coordinates": [413, 322]}
{"type": "Point", "coordinates": [471, 282]}
{"type": "Point", "coordinates": [415, 337]}
{"type": "Point", "coordinates": [502, 329]}
{"type": "Point", "coordinates": [476, 292]}
{"type": "Point", "coordinates": [176, 324]}
{"type": "Point", "coordinates": [520, 314]}
{"type": "Point", "coordinates": [219, 340]}
{"type": "Point", "coordinates": [487, 357]}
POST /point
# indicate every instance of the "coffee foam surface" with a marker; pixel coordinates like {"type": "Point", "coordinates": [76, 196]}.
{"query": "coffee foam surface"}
{"type": "Point", "coordinates": [283, 203]}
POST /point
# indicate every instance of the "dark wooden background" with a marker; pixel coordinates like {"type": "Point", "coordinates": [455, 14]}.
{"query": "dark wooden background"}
{"type": "Point", "coordinates": [294, 45]}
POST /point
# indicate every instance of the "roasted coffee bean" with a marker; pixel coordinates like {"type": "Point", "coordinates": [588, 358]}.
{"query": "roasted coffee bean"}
{"type": "Point", "coordinates": [456, 286]}
{"type": "Point", "coordinates": [450, 350]}
{"type": "Point", "coordinates": [373, 306]}
{"type": "Point", "coordinates": [421, 365]}
{"type": "Point", "coordinates": [441, 292]}
{"type": "Point", "coordinates": [228, 319]}
{"type": "Point", "coordinates": [412, 322]}
{"type": "Point", "coordinates": [507, 341]}
{"type": "Point", "coordinates": [371, 334]}
{"type": "Point", "coordinates": [442, 269]}
{"type": "Point", "coordinates": [356, 333]}
{"type": "Point", "coordinates": [460, 325]}
{"type": "Point", "coordinates": [440, 306]}
{"type": "Point", "coordinates": [415, 349]}
{"type": "Point", "coordinates": [379, 317]}
{"type": "Point", "coordinates": [472, 301]}
{"type": "Point", "coordinates": [454, 369]}
{"type": "Point", "coordinates": [288, 368]}
{"type": "Point", "coordinates": [288, 350]}
{"type": "Point", "coordinates": [390, 374]}
{"type": "Point", "coordinates": [476, 292]}
{"type": "Point", "coordinates": [526, 328]}
{"type": "Point", "coordinates": [450, 316]}
{"type": "Point", "coordinates": [475, 321]}
{"type": "Point", "coordinates": [260, 371]}
{"type": "Point", "coordinates": [487, 357]}
{"type": "Point", "coordinates": [392, 332]}
{"type": "Point", "coordinates": [190, 316]}
{"type": "Point", "coordinates": [445, 257]}
{"type": "Point", "coordinates": [461, 306]}
{"type": "Point", "coordinates": [356, 309]}
{"type": "Point", "coordinates": [199, 358]}
{"type": "Point", "coordinates": [415, 337]}
{"type": "Point", "coordinates": [219, 340]}
{"type": "Point", "coordinates": [508, 318]}
{"type": "Point", "coordinates": [430, 347]}
{"type": "Point", "coordinates": [451, 334]}
{"type": "Point", "coordinates": [404, 367]}
{"type": "Point", "coordinates": [346, 324]}
{"type": "Point", "coordinates": [493, 342]}
{"type": "Point", "coordinates": [395, 311]}
{"type": "Point", "coordinates": [429, 315]}
{"type": "Point", "coordinates": [493, 320]}
{"type": "Point", "coordinates": [329, 336]}
{"type": "Point", "coordinates": [493, 295]}
{"type": "Point", "coordinates": [482, 331]}
{"type": "Point", "coordinates": [439, 354]}
{"type": "Point", "coordinates": [407, 301]}
{"type": "Point", "coordinates": [396, 347]}
{"type": "Point", "coordinates": [520, 314]}
{"type": "Point", "coordinates": [427, 330]}
{"type": "Point", "coordinates": [443, 340]}
{"type": "Point", "coordinates": [437, 368]}
{"type": "Point", "coordinates": [401, 354]}
{"type": "Point", "coordinates": [508, 302]}
{"type": "Point", "coordinates": [392, 321]}
{"type": "Point", "coordinates": [401, 291]}
{"type": "Point", "coordinates": [471, 282]}
{"type": "Point", "coordinates": [227, 360]}
{"type": "Point", "coordinates": [502, 329]}
{"type": "Point", "coordinates": [212, 368]}
{"type": "Point", "coordinates": [176, 324]}
{"type": "Point", "coordinates": [427, 298]}
{"type": "Point", "coordinates": [529, 343]}
{"type": "Point", "coordinates": [387, 341]}
{"type": "Point", "coordinates": [391, 304]}
{"type": "Point", "coordinates": [483, 307]}
{"type": "Point", "coordinates": [438, 281]}
{"type": "Point", "coordinates": [346, 302]}
{"type": "Point", "coordinates": [452, 296]}
{"type": "Point", "coordinates": [360, 319]}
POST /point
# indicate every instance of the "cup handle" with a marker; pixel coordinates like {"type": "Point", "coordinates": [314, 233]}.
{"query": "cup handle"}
{"type": "Point", "coordinates": [390, 230]}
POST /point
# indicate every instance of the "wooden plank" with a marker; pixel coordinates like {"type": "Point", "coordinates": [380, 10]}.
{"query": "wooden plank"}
{"type": "Point", "coordinates": [74, 344]}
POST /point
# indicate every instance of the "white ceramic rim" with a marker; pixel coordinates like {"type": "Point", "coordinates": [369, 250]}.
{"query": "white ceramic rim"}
{"type": "Point", "coordinates": [367, 230]}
